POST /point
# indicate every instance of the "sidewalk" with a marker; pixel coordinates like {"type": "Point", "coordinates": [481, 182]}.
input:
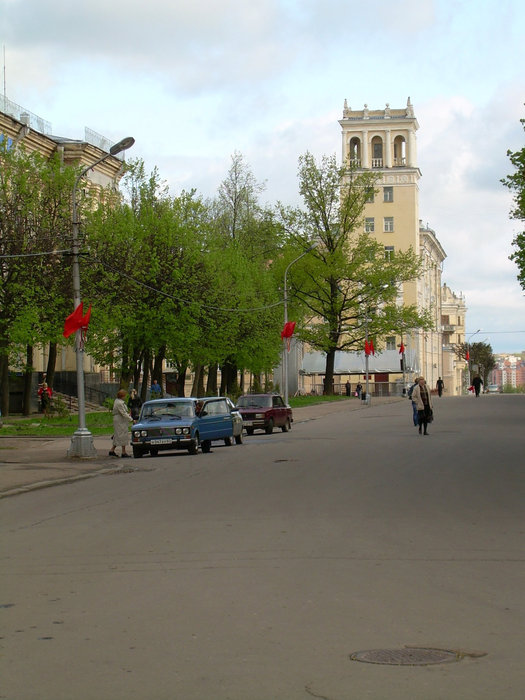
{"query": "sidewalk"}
{"type": "Point", "coordinates": [33, 463]}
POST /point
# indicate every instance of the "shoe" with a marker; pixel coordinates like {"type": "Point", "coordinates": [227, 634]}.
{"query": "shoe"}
{"type": "Point", "coordinates": [126, 455]}
{"type": "Point", "coordinates": [425, 433]}
{"type": "Point", "coordinates": [420, 430]}
{"type": "Point", "coordinates": [112, 453]}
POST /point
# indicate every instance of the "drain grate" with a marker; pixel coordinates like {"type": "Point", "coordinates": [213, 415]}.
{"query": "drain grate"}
{"type": "Point", "coordinates": [409, 656]}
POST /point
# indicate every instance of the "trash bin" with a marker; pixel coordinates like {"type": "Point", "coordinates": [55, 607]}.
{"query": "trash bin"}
{"type": "Point", "coordinates": [363, 396]}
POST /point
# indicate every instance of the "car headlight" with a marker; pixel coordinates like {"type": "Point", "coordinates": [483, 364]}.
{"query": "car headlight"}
{"type": "Point", "coordinates": [259, 415]}
{"type": "Point", "coordinates": [144, 433]}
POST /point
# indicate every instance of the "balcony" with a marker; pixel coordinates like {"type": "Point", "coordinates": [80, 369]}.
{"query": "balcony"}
{"type": "Point", "coordinates": [377, 162]}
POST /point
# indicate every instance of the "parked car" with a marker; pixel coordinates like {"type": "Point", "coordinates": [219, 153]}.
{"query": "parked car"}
{"type": "Point", "coordinates": [264, 412]}
{"type": "Point", "coordinates": [238, 423]}
{"type": "Point", "coordinates": [175, 424]}
{"type": "Point", "coordinates": [493, 389]}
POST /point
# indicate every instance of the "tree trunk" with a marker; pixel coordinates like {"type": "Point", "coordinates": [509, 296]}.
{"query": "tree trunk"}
{"type": "Point", "coordinates": [157, 366]}
{"type": "Point", "coordinates": [211, 388]}
{"type": "Point", "coordinates": [181, 380]}
{"type": "Point", "coordinates": [28, 377]}
{"type": "Point", "coordinates": [51, 365]}
{"type": "Point", "coordinates": [328, 383]}
{"type": "Point", "coordinates": [229, 378]}
{"type": "Point", "coordinates": [197, 380]}
{"type": "Point", "coordinates": [145, 375]}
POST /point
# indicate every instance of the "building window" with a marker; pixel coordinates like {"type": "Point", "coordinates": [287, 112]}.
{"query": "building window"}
{"type": "Point", "coordinates": [369, 195]}
{"type": "Point", "coordinates": [389, 252]}
{"type": "Point", "coordinates": [388, 194]}
{"type": "Point", "coordinates": [388, 224]}
{"type": "Point", "coordinates": [391, 342]}
{"type": "Point", "coordinates": [369, 224]}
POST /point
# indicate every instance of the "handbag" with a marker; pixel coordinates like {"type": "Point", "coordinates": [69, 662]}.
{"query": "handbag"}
{"type": "Point", "coordinates": [430, 417]}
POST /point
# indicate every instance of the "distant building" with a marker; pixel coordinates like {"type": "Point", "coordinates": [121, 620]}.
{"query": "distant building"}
{"type": "Point", "coordinates": [509, 371]}
{"type": "Point", "coordinates": [453, 313]}
{"type": "Point", "coordinates": [385, 141]}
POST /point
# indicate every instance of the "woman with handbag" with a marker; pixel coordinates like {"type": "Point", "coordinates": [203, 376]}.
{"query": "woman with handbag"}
{"type": "Point", "coordinates": [423, 400]}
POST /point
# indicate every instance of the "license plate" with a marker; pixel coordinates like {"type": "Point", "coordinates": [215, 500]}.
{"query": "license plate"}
{"type": "Point", "coordinates": [161, 441]}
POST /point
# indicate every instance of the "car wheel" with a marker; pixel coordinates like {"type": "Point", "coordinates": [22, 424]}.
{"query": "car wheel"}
{"type": "Point", "coordinates": [269, 428]}
{"type": "Point", "coordinates": [287, 426]}
{"type": "Point", "coordinates": [137, 452]}
{"type": "Point", "coordinates": [206, 446]}
{"type": "Point", "coordinates": [228, 441]}
{"type": "Point", "coordinates": [193, 449]}
{"type": "Point", "coordinates": [249, 431]}
{"type": "Point", "coordinates": [153, 452]}
{"type": "Point", "coordinates": [238, 439]}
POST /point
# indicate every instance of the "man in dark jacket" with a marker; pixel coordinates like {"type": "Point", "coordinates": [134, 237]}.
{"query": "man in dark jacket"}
{"type": "Point", "coordinates": [477, 383]}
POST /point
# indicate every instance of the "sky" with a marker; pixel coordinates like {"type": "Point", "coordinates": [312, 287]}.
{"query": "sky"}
{"type": "Point", "coordinates": [196, 81]}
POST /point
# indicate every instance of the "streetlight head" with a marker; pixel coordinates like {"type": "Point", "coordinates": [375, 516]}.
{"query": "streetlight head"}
{"type": "Point", "coordinates": [314, 245]}
{"type": "Point", "coordinates": [122, 145]}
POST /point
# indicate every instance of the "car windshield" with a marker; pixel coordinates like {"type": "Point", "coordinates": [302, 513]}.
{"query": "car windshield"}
{"type": "Point", "coordinates": [255, 401]}
{"type": "Point", "coordinates": [167, 410]}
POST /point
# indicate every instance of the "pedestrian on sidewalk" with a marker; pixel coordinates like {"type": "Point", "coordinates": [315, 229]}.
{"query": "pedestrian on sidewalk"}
{"type": "Point", "coordinates": [421, 395]}
{"type": "Point", "coordinates": [440, 385]}
{"type": "Point", "coordinates": [415, 415]}
{"type": "Point", "coordinates": [121, 420]}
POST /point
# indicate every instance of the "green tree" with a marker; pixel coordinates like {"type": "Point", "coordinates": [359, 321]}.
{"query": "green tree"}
{"type": "Point", "coordinates": [479, 354]}
{"type": "Point", "coordinates": [35, 224]}
{"type": "Point", "coordinates": [346, 287]}
{"type": "Point", "coordinates": [516, 183]}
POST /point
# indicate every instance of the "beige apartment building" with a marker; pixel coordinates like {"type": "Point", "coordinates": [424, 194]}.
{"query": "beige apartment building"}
{"type": "Point", "coordinates": [20, 127]}
{"type": "Point", "coordinates": [453, 314]}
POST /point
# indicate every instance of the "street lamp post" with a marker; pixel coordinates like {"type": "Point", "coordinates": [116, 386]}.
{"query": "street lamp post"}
{"type": "Point", "coordinates": [468, 353]}
{"type": "Point", "coordinates": [82, 439]}
{"type": "Point", "coordinates": [285, 353]}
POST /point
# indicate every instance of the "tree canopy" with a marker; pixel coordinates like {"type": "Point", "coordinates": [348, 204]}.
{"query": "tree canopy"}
{"type": "Point", "coordinates": [516, 183]}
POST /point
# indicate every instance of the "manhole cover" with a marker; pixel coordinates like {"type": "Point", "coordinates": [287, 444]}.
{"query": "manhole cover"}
{"type": "Point", "coordinates": [405, 657]}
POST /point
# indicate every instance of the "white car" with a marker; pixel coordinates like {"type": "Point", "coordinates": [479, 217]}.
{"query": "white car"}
{"type": "Point", "coordinates": [493, 389]}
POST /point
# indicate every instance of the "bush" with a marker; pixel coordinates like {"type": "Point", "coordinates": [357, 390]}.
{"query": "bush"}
{"type": "Point", "coordinates": [58, 406]}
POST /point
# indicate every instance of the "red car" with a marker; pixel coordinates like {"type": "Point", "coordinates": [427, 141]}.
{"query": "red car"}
{"type": "Point", "coordinates": [264, 412]}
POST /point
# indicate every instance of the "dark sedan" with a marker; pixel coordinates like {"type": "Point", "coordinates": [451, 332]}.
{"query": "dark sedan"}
{"type": "Point", "coordinates": [264, 412]}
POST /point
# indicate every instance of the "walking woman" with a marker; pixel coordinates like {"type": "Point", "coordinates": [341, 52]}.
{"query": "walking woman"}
{"type": "Point", "coordinates": [423, 400]}
{"type": "Point", "coordinates": [121, 421]}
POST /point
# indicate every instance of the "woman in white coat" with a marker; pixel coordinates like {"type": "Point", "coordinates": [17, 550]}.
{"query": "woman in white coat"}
{"type": "Point", "coordinates": [423, 400]}
{"type": "Point", "coordinates": [121, 421]}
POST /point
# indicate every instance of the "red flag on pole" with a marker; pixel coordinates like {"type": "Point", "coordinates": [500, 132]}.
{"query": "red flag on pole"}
{"type": "Point", "coordinates": [288, 330]}
{"type": "Point", "coordinates": [401, 348]}
{"type": "Point", "coordinates": [367, 347]}
{"type": "Point", "coordinates": [371, 346]}
{"type": "Point", "coordinates": [74, 321]}
{"type": "Point", "coordinates": [77, 320]}
{"type": "Point", "coordinates": [467, 356]}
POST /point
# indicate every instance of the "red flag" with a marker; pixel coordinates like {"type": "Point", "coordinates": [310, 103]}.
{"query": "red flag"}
{"type": "Point", "coordinates": [467, 356]}
{"type": "Point", "coordinates": [401, 348]}
{"type": "Point", "coordinates": [75, 320]}
{"type": "Point", "coordinates": [288, 330]}
{"type": "Point", "coordinates": [367, 347]}
{"type": "Point", "coordinates": [371, 346]}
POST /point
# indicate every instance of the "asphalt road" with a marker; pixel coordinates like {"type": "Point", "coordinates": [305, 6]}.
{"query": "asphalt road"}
{"type": "Point", "coordinates": [255, 571]}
